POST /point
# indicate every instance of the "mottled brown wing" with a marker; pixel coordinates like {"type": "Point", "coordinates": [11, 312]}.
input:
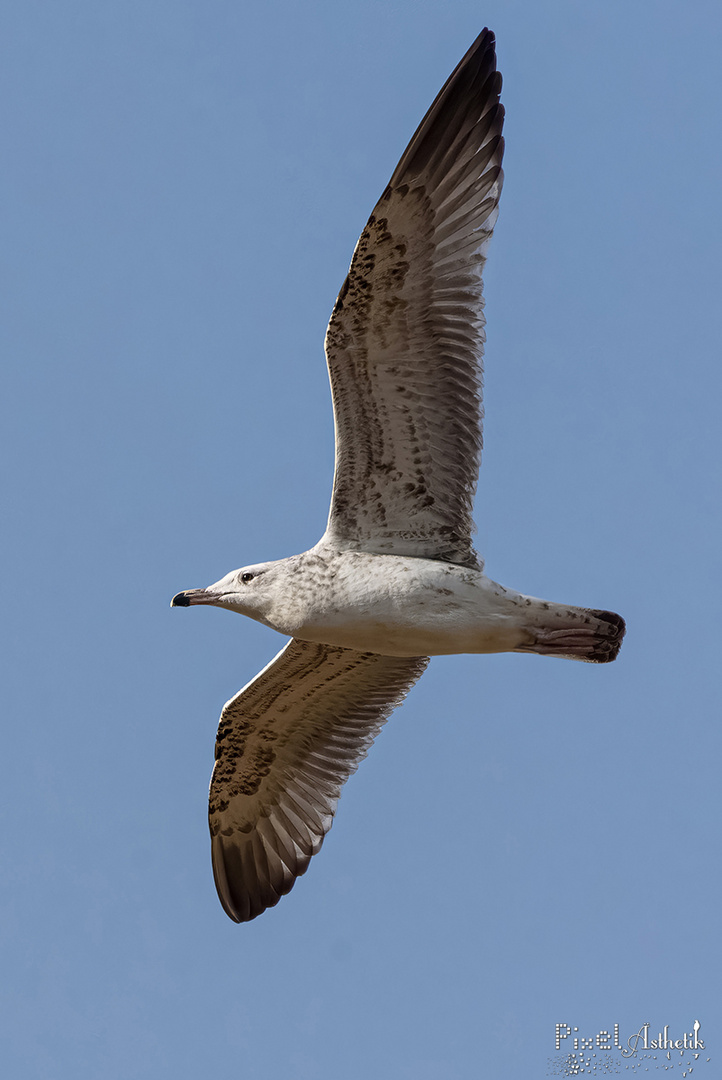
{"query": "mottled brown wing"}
{"type": "Point", "coordinates": [286, 745]}
{"type": "Point", "coordinates": [405, 339]}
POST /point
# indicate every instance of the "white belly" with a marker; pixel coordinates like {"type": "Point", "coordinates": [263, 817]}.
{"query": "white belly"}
{"type": "Point", "coordinates": [413, 607]}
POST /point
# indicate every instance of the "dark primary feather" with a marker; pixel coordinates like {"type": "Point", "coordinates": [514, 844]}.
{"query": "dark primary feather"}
{"type": "Point", "coordinates": [406, 336]}
{"type": "Point", "coordinates": [286, 745]}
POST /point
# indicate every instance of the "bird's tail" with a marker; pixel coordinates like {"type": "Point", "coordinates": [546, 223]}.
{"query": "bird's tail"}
{"type": "Point", "coordinates": [576, 633]}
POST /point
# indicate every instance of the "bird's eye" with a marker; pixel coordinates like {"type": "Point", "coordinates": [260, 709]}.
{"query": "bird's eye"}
{"type": "Point", "coordinates": [248, 576]}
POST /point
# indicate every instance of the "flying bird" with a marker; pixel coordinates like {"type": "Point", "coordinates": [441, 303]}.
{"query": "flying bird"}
{"type": "Point", "coordinates": [394, 579]}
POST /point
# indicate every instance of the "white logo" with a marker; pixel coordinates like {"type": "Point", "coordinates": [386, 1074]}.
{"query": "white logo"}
{"type": "Point", "coordinates": [604, 1054]}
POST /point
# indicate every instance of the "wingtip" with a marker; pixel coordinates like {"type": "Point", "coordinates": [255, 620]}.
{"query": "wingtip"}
{"type": "Point", "coordinates": [475, 79]}
{"type": "Point", "coordinates": [246, 884]}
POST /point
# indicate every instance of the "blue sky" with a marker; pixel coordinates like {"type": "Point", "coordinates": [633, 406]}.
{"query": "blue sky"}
{"type": "Point", "coordinates": [530, 842]}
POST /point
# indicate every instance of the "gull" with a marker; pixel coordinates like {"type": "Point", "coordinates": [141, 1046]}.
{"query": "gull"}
{"type": "Point", "coordinates": [394, 579]}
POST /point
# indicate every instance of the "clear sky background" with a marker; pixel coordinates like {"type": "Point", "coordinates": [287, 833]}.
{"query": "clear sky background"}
{"type": "Point", "coordinates": [530, 841]}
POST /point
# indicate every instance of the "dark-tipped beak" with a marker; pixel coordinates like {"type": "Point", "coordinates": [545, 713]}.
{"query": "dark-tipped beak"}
{"type": "Point", "coordinates": [192, 596]}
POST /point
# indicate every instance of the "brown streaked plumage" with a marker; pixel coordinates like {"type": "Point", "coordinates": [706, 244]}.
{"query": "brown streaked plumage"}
{"type": "Point", "coordinates": [408, 432]}
{"type": "Point", "coordinates": [286, 745]}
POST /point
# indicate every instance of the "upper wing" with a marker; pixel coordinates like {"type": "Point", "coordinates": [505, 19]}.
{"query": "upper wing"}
{"type": "Point", "coordinates": [405, 339]}
{"type": "Point", "coordinates": [286, 745]}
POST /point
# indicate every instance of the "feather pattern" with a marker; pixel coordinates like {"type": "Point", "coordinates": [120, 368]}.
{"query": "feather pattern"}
{"type": "Point", "coordinates": [406, 336]}
{"type": "Point", "coordinates": [286, 744]}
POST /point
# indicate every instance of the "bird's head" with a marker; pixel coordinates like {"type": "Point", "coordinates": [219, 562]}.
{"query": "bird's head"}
{"type": "Point", "coordinates": [249, 591]}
